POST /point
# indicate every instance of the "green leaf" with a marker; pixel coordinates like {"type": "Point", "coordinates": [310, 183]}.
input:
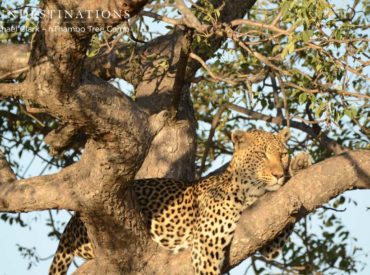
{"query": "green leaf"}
{"type": "Point", "coordinates": [302, 98]}
{"type": "Point", "coordinates": [351, 112]}
{"type": "Point", "coordinates": [306, 35]}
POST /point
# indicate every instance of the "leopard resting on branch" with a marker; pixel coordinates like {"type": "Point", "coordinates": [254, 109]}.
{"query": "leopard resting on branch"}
{"type": "Point", "coordinates": [202, 214]}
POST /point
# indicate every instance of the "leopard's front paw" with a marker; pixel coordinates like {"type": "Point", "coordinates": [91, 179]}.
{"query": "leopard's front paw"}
{"type": "Point", "coordinates": [299, 162]}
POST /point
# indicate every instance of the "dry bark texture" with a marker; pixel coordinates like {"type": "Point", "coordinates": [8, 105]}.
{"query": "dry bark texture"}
{"type": "Point", "coordinates": [153, 136]}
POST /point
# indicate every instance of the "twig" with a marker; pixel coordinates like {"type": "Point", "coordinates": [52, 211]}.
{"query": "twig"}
{"type": "Point", "coordinates": [238, 22]}
{"type": "Point", "coordinates": [52, 223]}
{"type": "Point", "coordinates": [308, 121]}
{"type": "Point", "coordinates": [15, 72]}
{"type": "Point", "coordinates": [253, 263]}
{"type": "Point", "coordinates": [276, 95]}
{"type": "Point", "coordinates": [280, 265]}
{"type": "Point", "coordinates": [262, 58]}
{"type": "Point", "coordinates": [286, 107]}
{"type": "Point", "coordinates": [315, 91]}
{"type": "Point", "coordinates": [277, 18]}
{"type": "Point", "coordinates": [215, 122]}
{"type": "Point", "coordinates": [28, 167]}
{"type": "Point", "coordinates": [333, 209]}
{"type": "Point", "coordinates": [212, 74]}
{"type": "Point", "coordinates": [162, 18]}
{"type": "Point", "coordinates": [23, 110]}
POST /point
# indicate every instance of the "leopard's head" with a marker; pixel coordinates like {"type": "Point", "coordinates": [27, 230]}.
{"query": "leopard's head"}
{"type": "Point", "coordinates": [261, 157]}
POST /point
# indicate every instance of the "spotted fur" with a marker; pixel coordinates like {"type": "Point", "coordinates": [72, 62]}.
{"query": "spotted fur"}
{"type": "Point", "coordinates": [201, 214]}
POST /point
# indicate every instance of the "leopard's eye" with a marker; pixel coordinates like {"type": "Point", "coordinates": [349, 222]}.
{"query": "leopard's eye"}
{"type": "Point", "coordinates": [284, 154]}
{"type": "Point", "coordinates": [263, 154]}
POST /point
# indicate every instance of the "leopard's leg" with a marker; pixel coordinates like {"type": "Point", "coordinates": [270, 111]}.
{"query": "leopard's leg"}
{"type": "Point", "coordinates": [211, 238]}
{"type": "Point", "coordinates": [207, 257]}
{"type": "Point", "coordinates": [272, 249]}
{"type": "Point", "coordinates": [299, 162]}
{"type": "Point", "coordinates": [73, 242]}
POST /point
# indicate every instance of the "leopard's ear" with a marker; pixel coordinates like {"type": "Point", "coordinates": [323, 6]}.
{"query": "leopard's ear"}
{"type": "Point", "coordinates": [284, 135]}
{"type": "Point", "coordinates": [238, 136]}
{"type": "Point", "coordinates": [240, 139]}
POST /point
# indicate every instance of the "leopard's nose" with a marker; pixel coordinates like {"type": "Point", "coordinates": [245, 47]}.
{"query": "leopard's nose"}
{"type": "Point", "coordinates": [278, 174]}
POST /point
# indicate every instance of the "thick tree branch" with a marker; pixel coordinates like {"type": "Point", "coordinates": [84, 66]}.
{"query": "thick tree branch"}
{"type": "Point", "coordinates": [163, 91]}
{"type": "Point", "coordinates": [37, 193]}
{"type": "Point", "coordinates": [21, 90]}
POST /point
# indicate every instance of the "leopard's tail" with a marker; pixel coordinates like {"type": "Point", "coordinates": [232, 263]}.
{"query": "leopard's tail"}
{"type": "Point", "coordinates": [73, 242]}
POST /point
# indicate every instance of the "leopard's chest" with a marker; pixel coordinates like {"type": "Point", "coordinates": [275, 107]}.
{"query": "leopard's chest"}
{"type": "Point", "coordinates": [170, 217]}
{"type": "Point", "coordinates": [172, 226]}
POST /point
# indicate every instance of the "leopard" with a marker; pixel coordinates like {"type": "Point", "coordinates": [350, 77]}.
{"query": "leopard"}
{"type": "Point", "coordinates": [200, 215]}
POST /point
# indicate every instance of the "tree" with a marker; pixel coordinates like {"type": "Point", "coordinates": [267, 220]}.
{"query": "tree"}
{"type": "Point", "coordinates": [216, 66]}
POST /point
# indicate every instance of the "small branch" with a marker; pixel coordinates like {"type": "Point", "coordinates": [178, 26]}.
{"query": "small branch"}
{"type": "Point", "coordinates": [285, 100]}
{"type": "Point", "coordinates": [262, 58]}
{"type": "Point", "coordinates": [263, 26]}
{"type": "Point", "coordinates": [29, 114]}
{"type": "Point", "coordinates": [276, 95]}
{"type": "Point", "coordinates": [307, 121]}
{"type": "Point", "coordinates": [52, 225]}
{"type": "Point", "coordinates": [315, 91]}
{"type": "Point", "coordinates": [14, 73]}
{"type": "Point", "coordinates": [215, 122]}
{"type": "Point", "coordinates": [333, 209]}
{"type": "Point", "coordinates": [176, 22]}
{"type": "Point", "coordinates": [277, 18]}
{"type": "Point", "coordinates": [189, 18]}
{"type": "Point", "coordinates": [212, 74]}
{"type": "Point", "coordinates": [253, 263]}
{"type": "Point", "coordinates": [280, 265]}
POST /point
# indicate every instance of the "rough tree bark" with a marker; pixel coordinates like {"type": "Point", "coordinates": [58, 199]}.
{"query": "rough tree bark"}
{"type": "Point", "coordinates": [153, 136]}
